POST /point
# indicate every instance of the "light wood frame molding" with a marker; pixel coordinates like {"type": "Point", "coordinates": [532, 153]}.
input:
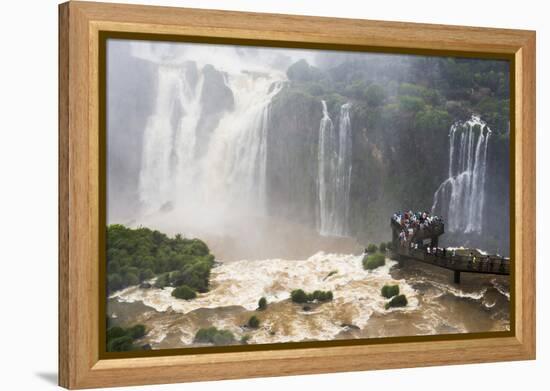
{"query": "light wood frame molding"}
{"type": "Point", "coordinates": [80, 365]}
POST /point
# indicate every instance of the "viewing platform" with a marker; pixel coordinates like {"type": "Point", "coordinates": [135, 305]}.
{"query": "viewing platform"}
{"type": "Point", "coordinates": [419, 242]}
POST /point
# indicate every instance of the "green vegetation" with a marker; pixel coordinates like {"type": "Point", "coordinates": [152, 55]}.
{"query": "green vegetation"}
{"type": "Point", "coordinates": [253, 322]}
{"type": "Point", "coordinates": [262, 304]}
{"type": "Point", "coordinates": [122, 339]}
{"type": "Point", "coordinates": [375, 95]}
{"type": "Point", "coordinates": [301, 297]}
{"type": "Point", "coordinates": [136, 331]}
{"type": "Point", "coordinates": [373, 261]}
{"type": "Point", "coordinates": [439, 90]}
{"type": "Point", "coordinates": [397, 301]}
{"type": "Point", "coordinates": [382, 247]}
{"type": "Point", "coordinates": [302, 71]}
{"type": "Point", "coordinates": [136, 255]}
{"type": "Point", "coordinates": [332, 272]}
{"type": "Point", "coordinates": [322, 295]}
{"type": "Point", "coordinates": [401, 111]}
{"type": "Point", "coordinates": [163, 280]}
{"type": "Point", "coordinates": [244, 339]}
{"type": "Point", "coordinates": [389, 291]}
{"type": "Point", "coordinates": [184, 292]}
{"type": "Point", "coordinates": [410, 104]}
{"type": "Point", "coordinates": [214, 336]}
{"type": "Point", "coordinates": [371, 248]}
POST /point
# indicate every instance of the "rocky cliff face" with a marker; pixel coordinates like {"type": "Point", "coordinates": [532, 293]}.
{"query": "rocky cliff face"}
{"type": "Point", "coordinates": [216, 99]}
{"type": "Point", "coordinates": [292, 140]}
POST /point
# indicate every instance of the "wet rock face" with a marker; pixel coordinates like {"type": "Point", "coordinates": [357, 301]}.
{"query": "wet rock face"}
{"type": "Point", "coordinates": [292, 140]}
{"type": "Point", "coordinates": [191, 73]}
{"type": "Point", "coordinates": [216, 99]}
{"type": "Point", "coordinates": [216, 95]}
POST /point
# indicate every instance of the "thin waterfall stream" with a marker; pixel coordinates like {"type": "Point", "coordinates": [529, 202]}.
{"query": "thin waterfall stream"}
{"type": "Point", "coordinates": [334, 172]}
{"type": "Point", "coordinates": [462, 194]}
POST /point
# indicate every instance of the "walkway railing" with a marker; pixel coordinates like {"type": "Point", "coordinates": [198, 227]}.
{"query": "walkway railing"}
{"type": "Point", "coordinates": [490, 264]}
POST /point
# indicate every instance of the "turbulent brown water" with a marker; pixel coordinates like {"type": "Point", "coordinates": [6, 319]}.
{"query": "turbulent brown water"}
{"type": "Point", "coordinates": [435, 305]}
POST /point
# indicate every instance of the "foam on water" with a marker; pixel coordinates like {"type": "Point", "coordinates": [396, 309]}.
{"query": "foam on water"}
{"type": "Point", "coordinates": [449, 289]}
{"type": "Point", "coordinates": [356, 295]}
{"type": "Point", "coordinates": [501, 289]}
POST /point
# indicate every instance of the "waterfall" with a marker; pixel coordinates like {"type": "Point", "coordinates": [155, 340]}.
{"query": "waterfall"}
{"type": "Point", "coordinates": [175, 94]}
{"type": "Point", "coordinates": [463, 192]}
{"type": "Point", "coordinates": [334, 172]}
{"type": "Point", "coordinates": [204, 191]}
{"type": "Point", "coordinates": [236, 160]}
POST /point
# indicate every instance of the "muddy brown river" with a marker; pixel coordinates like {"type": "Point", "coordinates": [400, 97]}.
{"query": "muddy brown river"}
{"type": "Point", "coordinates": [480, 303]}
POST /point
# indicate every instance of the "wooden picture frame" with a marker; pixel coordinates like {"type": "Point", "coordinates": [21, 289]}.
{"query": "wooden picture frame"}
{"type": "Point", "coordinates": [81, 24]}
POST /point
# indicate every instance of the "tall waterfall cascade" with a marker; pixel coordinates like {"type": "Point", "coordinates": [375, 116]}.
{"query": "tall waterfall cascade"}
{"type": "Point", "coordinates": [334, 172]}
{"type": "Point", "coordinates": [462, 194]}
{"type": "Point", "coordinates": [175, 93]}
{"type": "Point", "coordinates": [230, 172]}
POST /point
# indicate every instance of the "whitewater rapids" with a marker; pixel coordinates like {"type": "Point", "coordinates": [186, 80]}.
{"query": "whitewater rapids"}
{"type": "Point", "coordinates": [357, 310]}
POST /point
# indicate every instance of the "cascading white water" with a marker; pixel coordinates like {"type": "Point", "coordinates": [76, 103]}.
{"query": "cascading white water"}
{"type": "Point", "coordinates": [334, 172]}
{"type": "Point", "coordinates": [463, 192]}
{"type": "Point", "coordinates": [203, 192]}
{"type": "Point", "coordinates": [236, 160]}
{"type": "Point", "coordinates": [156, 184]}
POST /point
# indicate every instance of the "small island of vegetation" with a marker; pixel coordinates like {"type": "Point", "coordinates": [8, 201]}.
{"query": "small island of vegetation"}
{"type": "Point", "coordinates": [389, 291]}
{"type": "Point", "coordinates": [262, 304]}
{"type": "Point", "coordinates": [122, 339]}
{"type": "Point", "coordinates": [397, 301]}
{"type": "Point", "coordinates": [373, 261]}
{"type": "Point", "coordinates": [301, 297]}
{"type": "Point", "coordinates": [253, 322]}
{"type": "Point", "coordinates": [138, 255]}
{"type": "Point", "coordinates": [371, 248]}
{"type": "Point", "coordinates": [214, 336]}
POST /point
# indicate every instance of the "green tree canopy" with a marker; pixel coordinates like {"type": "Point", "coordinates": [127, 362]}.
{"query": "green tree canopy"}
{"type": "Point", "coordinates": [136, 255]}
{"type": "Point", "coordinates": [375, 95]}
{"type": "Point", "coordinates": [184, 292]}
{"type": "Point", "coordinates": [214, 336]}
{"type": "Point", "coordinates": [262, 304]}
{"type": "Point", "coordinates": [253, 322]}
{"type": "Point", "coordinates": [373, 261]}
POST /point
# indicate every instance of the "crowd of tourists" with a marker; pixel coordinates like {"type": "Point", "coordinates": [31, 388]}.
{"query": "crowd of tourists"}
{"type": "Point", "coordinates": [412, 222]}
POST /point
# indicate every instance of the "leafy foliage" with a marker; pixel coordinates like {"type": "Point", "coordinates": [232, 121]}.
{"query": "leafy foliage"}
{"type": "Point", "coordinates": [136, 331]}
{"type": "Point", "coordinates": [253, 322]}
{"type": "Point", "coordinates": [136, 255]}
{"type": "Point", "coordinates": [411, 104]}
{"type": "Point", "coordinates": [397, 301]}
{"type": "Point", "coordinates": [373, 261]}
{"type": "Point", "coordinates": [388, 291]}
{"type": "Point", "coordinates": [262, 304]}
{"type": "Point", "coordinates": [371, 248]}
{"type": "Point", "coordinates": [375, 95]}
{"type": "Point", "coordinates": [302, 71]}
{"type": "Point", "coordinates": [214, 336]}
{"type": "Point", "coordinates": [122, 339]}
{"type": "Point", "coordinates": [184, 292]}
{"type": "Point", "coordinates": [300, 297]}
